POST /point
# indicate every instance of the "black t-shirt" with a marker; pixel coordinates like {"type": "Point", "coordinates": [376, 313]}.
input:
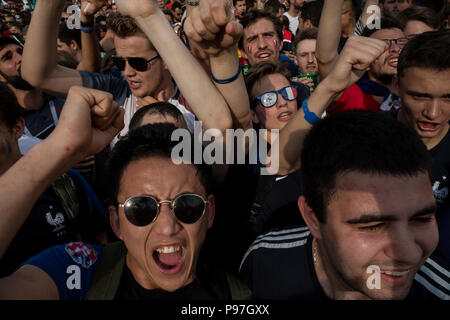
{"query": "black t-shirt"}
{"type": "Point", "coordinates": [440, 173]}
{"type": "Point", "coordinates": [279, 265]}
{"type": "Point", "coordinates": [209, 284]}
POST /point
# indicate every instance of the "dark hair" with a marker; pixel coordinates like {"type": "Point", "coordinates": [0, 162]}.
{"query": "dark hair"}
{"type": "Point", "coordinates": [430, 50]}
{"type": "Point", "coordinates": [162, 108]}
{"type": "Point", "coordinates": [385, 23]}
{"type": "Point", "coordinates": [306, 34]}
{"type": "Point", "coordinates": [168, 12]}
{"type": "Point", "coordinates": [422, 14]}
{"type": "Point", "coordinates": [312, 11]}
{"type": "Point", "coordinates": [259, 70]}
{"type": "Point", "coordinates": [122, 26]}
{"type": "Point", "coordinates": [65, 59]}
{"type": "Point", "coordinates": [6, 40]}
{"type": "Point", "coordinates": [254, 16]}
{"type": "Point", "coordinates": [363, 141]}
{"type": "Point", "coordinates": [10, 110]}
{"type": "Point", "coordinates": [177, 5]}
{"type": "Point", "coordinates": [151, 140]}
{"type": "Point", "coordinates": [66, 35]}
{"type": "Point", "coordinates": [272, 6]}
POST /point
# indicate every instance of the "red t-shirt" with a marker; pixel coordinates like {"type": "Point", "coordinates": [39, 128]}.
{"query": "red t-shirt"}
{"type": "Point", "coordinates": [354, 98]}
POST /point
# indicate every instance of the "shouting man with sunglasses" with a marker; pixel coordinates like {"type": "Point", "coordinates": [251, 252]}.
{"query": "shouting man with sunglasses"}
{"type": "Point", "coordinates": [161, 212]}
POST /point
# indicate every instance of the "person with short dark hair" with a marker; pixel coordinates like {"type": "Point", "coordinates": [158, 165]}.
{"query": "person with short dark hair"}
{"type": "Point", "coordinates": [310, 15]}
{"type": "Point", "coordinates": [177, 10]}
{"type": "Point", "coordinates": [417, 20]}
{"type": "Point", "coordinates": [239, 8]}
{"type": "Point", "coordinates": [392, 8]}
{"type": "Point", "coordinates": [158, 112]}
{"type": "Point", "coordinates": [305, 51]}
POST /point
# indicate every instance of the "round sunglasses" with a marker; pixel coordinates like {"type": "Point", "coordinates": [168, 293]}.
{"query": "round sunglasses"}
{"type": "Point", "coordinates": [269, 99]}
{"type": "Point", "coordinates": [138, 64]}
{"type": "Point", "coordinates": [143, 210]}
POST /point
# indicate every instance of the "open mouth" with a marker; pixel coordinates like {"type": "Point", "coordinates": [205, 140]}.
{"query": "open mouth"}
{"type": "Point", "coordinates": [393, 62]}
{"type": "Point", "coordinates": [428, 126]}
{"type": "Point", "coordinates": [134, 84]}
{"type": "Point", "coordinates": [169, 259]}
{"type": "Point", "coordinates": [285, 116]}
{"type": "Point", "coordinates": [263, 56]}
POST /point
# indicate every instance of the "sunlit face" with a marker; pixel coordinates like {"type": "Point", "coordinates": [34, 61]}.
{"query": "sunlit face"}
{"type": "Point", "coordinates": [386, 63]}
{"type": "Point", "coordinates": [378, 220]}
{"type": "Point", "coordinates": [275, 117]}
{"type": "Point", "coordinates": [144, 83]}
{"type": "Point", "coordinates": [261, 42]}
{"type": "Point", "coordinates": [164, 253]}
{"type": "Point", "coordinates": [415, 27]}
{"type": "Point", "coordinates": [425, 96]}
{"type": "Point", "coordinates": [306, 56]}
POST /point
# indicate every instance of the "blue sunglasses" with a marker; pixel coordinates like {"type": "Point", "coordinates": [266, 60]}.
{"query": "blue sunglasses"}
{"type": "Point", "coordinates": [269, 99]}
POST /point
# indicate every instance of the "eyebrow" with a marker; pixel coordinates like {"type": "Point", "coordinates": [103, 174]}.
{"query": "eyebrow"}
{"type": "Point", "coordinates": [424, 95]}
{"type": "Point", "coordinates": [376, 217]}
{"type": "Point", "coordinates": [5, 54]}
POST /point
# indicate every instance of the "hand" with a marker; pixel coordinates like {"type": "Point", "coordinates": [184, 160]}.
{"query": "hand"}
{"type": "Point", "coordinates": [212, 26]}
{"type": "Point", "coordinates": [306, 81]}
{"type": "Point", "coordinates": [90, 119]}
{"type": "Point", "coordinates": [291, 56]}
{"type": "Point", "coordinates": [355, 59]}
{"type": "Point", "coordinates": [93, 6]}
{"type": "Point", "coordinates": [137, 8]}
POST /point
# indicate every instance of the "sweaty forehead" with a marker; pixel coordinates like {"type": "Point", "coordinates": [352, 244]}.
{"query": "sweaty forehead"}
{"type": "Point", "coordinates": [394, 33]}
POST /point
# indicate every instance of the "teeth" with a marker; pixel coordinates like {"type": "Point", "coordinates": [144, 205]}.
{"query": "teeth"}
{"type": "Point", "coordinates": [396, 273]}
{"type": "Point", "coordinates": [168, 249]}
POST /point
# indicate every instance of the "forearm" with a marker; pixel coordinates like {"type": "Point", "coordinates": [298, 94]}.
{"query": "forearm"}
{"type": "Point", "coordinates": [39, 56]}
{"type": "Point", "coordinates": [90, 49]}
{"type": "Point", "coordinates": [292, 135]}
{"type": "Point", "coordinates": [201, 94]}
{"type": "Point", "coordinates": [224, 66]}
{"type": "Point", "coordinates": [328, 36]}
{"type": "Point", "coordinates": [23, 183]}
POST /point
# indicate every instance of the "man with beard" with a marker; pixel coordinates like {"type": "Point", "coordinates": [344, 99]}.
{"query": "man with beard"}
{"type": "Point", "coordinates": [373, 90]}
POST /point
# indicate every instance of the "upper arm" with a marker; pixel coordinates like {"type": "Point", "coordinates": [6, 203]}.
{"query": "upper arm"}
{"type": "Point", "coordinates": [60, 81]}
{"type": "Point", "coordinates": [28, 283]}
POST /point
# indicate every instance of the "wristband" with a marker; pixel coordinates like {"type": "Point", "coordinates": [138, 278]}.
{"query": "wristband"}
{"type": "Point", "coordinates": [192, 4]}
{"type": "Point", "coordinates": [310, 117]}
{"type": "Point", "coordinates": [229, 80]}
{"type": "Point", "coordinates": [86, 30]}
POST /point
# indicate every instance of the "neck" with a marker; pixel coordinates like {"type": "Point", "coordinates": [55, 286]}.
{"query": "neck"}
{"type": "Point", "coordinates": [167, 88]}
{"type": "Point", "coordinates": [330, 282]}
{"type": "Point", "coordinates": [385, 81]}
{"type": "Point", "coordinates": [29, 100]}
{"type": "Point", "coordinates": [293, 11]}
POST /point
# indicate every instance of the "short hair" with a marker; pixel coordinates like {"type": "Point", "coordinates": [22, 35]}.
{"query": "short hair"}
{"type": "Point", "coordinates": [254, 16]}
{"type": "Point", "coordinates": [312, 11]}
{"type": "Point", "coordinates": [422, 14]}
{"type": "Point", "coordinates": [162, 108]}
{"type": "Point", "coordinates": [10, 110]}
{"type": "Point", "coordinates": [169, 12]}
{"type": "Point", "coordinates": [306, 34]}
{"type": "Point", "coordinates": [369, 142]}
{"type": "Point", "coordinates": [123, 26]}
{"type": "Point", "coordinates": [66, 35]}
{"type": "Point", "coordinates": [177, 5]}
{"type": "Point", "coordinates": [6, 40]}
{"type": "Point", "coordinates": [272, 6]}
{"type": "Point", "coordinates": [152, 140]}
{"type": "Point", "coordinates": [262, 69]}
{"type": "Point", "coordinates": [430, 50]}
{"type": "Point", "coordinates": [385, 23]}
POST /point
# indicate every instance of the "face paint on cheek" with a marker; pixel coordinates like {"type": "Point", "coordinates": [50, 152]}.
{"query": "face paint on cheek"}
{"type": "Point", "coordinates": [275, 43]}
{"type": "Point", "coordinates": [249, 49]}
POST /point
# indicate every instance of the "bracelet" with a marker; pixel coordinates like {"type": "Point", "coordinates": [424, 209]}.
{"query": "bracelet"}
{"type": "Point", "coordinates": [86, 30]}
{"type": "Point", "coordinates": [310, 117]}
{"type": "Point", "coordinates": [193, 4]}
{"type": "Point", "coordinates": [229, 80]}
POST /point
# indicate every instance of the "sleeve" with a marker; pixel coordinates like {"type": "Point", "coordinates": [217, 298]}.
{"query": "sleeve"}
{"type": "Point", "coordinates": [118, 87]}
{"type": "Point", "coordinates": [71, 267]}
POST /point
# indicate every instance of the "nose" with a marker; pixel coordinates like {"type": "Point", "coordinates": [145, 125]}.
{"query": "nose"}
{"type": "Point", "coordinates": [281, 102]}
{"type": "Point", "coordinates": [402, 247]}
{"type": "Point", "coordinates": [310, 57]}
{"type": "Point", "coordinates": [433, 109]}
{"type": "Point", "coordinates": [262, 43]}
{"type": "Point", "coordinates": [166, 224]}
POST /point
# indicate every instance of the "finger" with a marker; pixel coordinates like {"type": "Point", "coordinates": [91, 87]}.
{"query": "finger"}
{"type": "Point", "coordinates": [234, 29]}
{"type": "Point", "coordinates": [208, 20]}
{"type": "Point", "coordinates": [201, 29]}
{"type": "Point", "coordinates": [190, 31]}
{"type": "Point", "coordinates": [220, 12]}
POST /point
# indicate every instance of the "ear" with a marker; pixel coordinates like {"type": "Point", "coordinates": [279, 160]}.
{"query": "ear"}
{"type": "Point", "coordinates": [114, 221]}
{"type": "Point", "coordinates": [211, 210]}
{"type": "Point", "coordinates": [307, 24]}
{"type": "Point", "coordinates": [395, 87]}
{"type": "Point", "coordinates": [309, 217]}
{"type": "Point", "coordinates": [74, 45]}
{"type": "Point", "coordinates": [19, 128]}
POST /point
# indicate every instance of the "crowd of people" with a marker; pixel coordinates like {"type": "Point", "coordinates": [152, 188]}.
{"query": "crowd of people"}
{"type": "Point", "coordinates": [338, 190]}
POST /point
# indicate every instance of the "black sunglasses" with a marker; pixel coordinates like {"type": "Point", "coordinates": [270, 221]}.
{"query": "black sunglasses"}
{"type": "Point", "coordinates": [143, 210]}
{"type": "Point", "coordinates": [138, 64]}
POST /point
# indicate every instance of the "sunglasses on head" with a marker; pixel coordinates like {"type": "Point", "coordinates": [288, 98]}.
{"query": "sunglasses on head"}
{"type": "Point", "coordinates": [138, 64]}
{"type": "Point", "coordinates": [143, 210]}
{"type": "Point", "coordinates": [269, 99]}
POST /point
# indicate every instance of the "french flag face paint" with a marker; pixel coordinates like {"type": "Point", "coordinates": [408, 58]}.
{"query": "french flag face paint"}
{"type": "Point", "coordinates": [249, 49]}
{"type": "Point", "coordinates": [275, 43]}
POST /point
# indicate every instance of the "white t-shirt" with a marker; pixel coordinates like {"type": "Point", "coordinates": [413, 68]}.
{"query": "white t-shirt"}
{"type": "Point", "coordinates": [293, 23]}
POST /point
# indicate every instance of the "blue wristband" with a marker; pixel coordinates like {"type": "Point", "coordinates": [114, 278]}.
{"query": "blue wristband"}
{"type": "Point", "coordinates": [229, 80]}
{"type": "Point", "coordinates": [86, 30]}
{"type": "Point", "coordinates": [310, 117]}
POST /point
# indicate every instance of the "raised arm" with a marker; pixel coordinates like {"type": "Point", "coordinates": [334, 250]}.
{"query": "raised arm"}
{"type": "Point", "coordinates": [355, 58]}
{"type": "Point", "coordinates": [328, 36]}
{"type": "Point", "coordinates": [212, 27]}
{"type": "Point", "coordinates": [39, 65]}
{"type": "Point", "coordinates": [201, 94]}
{"type": "Point", "coordinates": [90, 49]}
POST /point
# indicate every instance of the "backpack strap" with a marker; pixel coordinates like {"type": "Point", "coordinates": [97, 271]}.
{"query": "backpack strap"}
{"type": "Point", "coordinates": [66, 191]}
{"type": "Point", "coordinates": [239, 290]}
{"type": "Point", "coordinates": [109, 272]}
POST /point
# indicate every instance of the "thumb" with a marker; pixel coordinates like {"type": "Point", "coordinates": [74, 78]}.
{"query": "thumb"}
{"type": "Point", "coordinates": [234, 29]}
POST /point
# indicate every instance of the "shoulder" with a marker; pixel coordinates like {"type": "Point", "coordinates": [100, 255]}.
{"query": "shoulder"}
{"type": "Point", "coordinates": [434, 277]}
